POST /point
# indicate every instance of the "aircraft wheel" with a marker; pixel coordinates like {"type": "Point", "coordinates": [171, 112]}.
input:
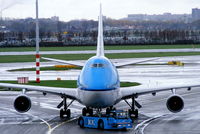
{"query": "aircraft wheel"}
{"type": "Point", "coordinates": [81, 122]}
{"type": "Point", "coordinates": [101, 125]}
{"type": "Point", "coordinates": [90, 111]}
{"type": "Point", "coordinates": [68, 113]}
{"type": "Point", "coordinates": [108, 111]}
{"type": "Point", "coordinates": [84, 111]}
{"type": "Point", "coordinates": [61, 113]}
{"type": "Point", "coordinates": [131, 112]}
{"type": "Point", "coordinates": [136, 113]}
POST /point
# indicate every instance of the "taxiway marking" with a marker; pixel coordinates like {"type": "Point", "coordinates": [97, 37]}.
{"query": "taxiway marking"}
{"type": "Point", "coordinates": [49, 126]}
{"type": "Point", "coordinates": [140, 127]}
{"type": "Point", "coordinates": [52, 129]}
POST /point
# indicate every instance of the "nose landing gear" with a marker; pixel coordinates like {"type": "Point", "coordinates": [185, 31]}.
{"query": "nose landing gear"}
{"type": "Point", "coordinates": [86, 111]}
{"type": "Point", "coordinates": [109, 109]}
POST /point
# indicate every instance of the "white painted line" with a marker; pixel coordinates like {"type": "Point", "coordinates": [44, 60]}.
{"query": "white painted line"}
{"type": "Point", "coordinates": [49, 127]}
{"type": "Point", "coordinates": [140, 127]}
{"type": "Point", "coordinates": [52, 129]}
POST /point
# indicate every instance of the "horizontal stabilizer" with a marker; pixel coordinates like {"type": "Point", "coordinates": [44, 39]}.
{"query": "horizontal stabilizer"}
{"type": "Point", "coordinates": [131, 62]}
{"type": "Point", "coordinates": [76, 63]}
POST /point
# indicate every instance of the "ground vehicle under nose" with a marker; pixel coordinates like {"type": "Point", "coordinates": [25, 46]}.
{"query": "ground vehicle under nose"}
{"type": "Point", "coordinates": [117, 119]}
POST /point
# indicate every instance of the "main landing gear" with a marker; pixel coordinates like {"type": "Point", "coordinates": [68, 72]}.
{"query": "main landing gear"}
{"type": "Point", "coordinates": [133, 112]}
{"type": "Point", "coordinates": [87, 110]}
{"type": "Point", "coordinates": [65, 112]}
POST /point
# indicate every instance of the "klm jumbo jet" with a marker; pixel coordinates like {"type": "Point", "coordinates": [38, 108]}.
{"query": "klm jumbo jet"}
{"type": "Point", "coordinates": [98, 86]}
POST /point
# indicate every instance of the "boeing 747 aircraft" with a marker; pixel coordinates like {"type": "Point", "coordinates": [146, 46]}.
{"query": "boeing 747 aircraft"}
{"type": "Point", "coordinates": [98, 86]}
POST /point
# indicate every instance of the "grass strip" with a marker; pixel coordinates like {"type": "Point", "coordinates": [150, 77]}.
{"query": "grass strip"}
{"type": "Point", "coordinates": [31, 58]}
{"type": "Point", "coordinates": [64, 69]}
{"type": "Point", "coordinates": [116, 47]}
{"type": "Point", "coordinates": [45, 69]}
{"type": "Point", "coordinates": [63, 83]}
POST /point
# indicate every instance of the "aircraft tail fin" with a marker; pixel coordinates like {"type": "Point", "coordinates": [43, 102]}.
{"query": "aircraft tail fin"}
{"type": "Point", "coordinates": [100, 43]}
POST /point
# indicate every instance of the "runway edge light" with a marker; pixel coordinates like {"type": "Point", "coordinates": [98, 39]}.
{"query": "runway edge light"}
{"type": "Point", "coordinates": [37, 46]}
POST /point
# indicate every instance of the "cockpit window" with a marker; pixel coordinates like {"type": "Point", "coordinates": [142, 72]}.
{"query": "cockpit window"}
{"type": "Point", "coordinates": [97, 65]}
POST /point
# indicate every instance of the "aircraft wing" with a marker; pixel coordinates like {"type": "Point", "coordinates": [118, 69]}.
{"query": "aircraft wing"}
{"type": "Point", "coordinates": [154, 88]}
{"type": "Point", "coordinates": [68, 92]}
{"type": "Point", "coordinates": [76, 63]}
{"type": "Point", "coordinates": [124, 63]}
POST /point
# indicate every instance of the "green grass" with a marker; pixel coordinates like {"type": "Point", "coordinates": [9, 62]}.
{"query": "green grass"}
{"type": "Point", "coordinates": [129, 84]}
{"type": "Point", "coordinates": [120, 47]}
{"type": "Point", "coordinates": [31, 58]}
{"type": "Point", "coordinates": [45, 69]}
{"type": "Point", "coordinates": [63, 69]}
{"type": "Point", "coordinates": [65, 83]}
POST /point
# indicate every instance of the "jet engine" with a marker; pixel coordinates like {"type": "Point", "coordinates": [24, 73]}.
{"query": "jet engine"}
{"type": "Point", "coordinates": [22, 103]}
{"type": "Point", "coordinates": [175, 103]}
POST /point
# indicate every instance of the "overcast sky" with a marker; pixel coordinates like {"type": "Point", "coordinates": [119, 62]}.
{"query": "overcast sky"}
{"type": "Point", "coordinates": [88, 9]}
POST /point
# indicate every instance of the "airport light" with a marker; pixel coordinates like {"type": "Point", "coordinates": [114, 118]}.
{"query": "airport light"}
{"type": "Point", "coordinates": [1, 15]}
{"type": "Point", "coordinates": [37, 46]}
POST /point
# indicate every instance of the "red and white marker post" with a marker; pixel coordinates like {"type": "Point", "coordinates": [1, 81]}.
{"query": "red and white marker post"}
{"type": "Point", "coordinates": [37, 46]}
{"type": "Point", "coordinates": [37, 68]}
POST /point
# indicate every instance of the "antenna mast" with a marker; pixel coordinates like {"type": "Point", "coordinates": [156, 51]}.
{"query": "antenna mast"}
{"type": "Point", "coordinates": [37, 46]}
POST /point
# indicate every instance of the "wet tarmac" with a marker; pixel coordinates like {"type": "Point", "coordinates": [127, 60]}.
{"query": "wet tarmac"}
{"type": "Point", "coordinates": [106, 51]}
{"type": "Point", "coordinates": [43, 118]}
{"type": "Point", "coordinates": [154, 117]}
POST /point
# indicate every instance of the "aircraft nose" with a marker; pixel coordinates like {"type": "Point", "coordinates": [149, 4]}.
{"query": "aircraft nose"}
{"type": "Point", "coordinates": [100, 82]}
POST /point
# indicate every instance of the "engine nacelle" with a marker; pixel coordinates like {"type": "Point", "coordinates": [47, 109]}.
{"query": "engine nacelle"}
{"type": "Point", "coordinates": [175, 103]}
{"type": "Point", "coordinates": [22, 103]}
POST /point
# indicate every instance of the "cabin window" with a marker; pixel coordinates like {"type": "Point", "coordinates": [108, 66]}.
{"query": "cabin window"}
{"type": "Point", "coordinates": [97, 65]}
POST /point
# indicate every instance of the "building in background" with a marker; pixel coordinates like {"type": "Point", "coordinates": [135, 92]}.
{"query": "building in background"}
{"type": "Point", "coordinates": [195, 14]}
{"type": "Point", "coordinates": [160, 17]}
{"type": "Point", "coordinates": [166, 17]}
{"type": "Point", "coordinates": [55, 18]}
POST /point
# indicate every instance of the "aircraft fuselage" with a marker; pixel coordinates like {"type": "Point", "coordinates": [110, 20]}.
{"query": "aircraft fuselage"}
{"type": "Point", "coordinates": [98, 83]}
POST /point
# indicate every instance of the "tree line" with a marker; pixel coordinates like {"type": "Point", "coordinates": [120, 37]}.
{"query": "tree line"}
{"type": "Point", "coordinates": [84, 32]}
